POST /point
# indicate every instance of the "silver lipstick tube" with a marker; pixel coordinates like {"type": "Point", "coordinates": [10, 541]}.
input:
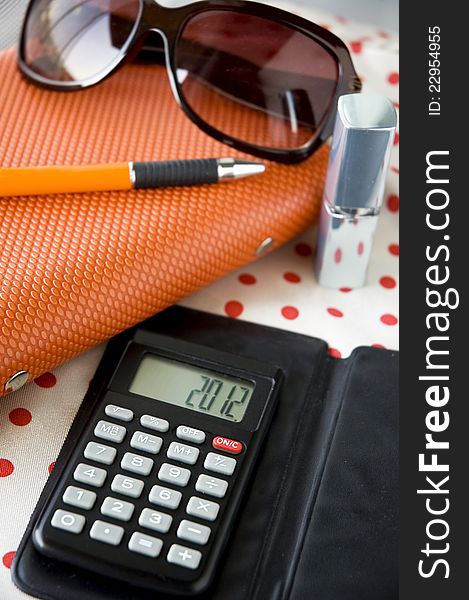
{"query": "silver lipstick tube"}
{"type": "Point", "coordinates": [359, 158]}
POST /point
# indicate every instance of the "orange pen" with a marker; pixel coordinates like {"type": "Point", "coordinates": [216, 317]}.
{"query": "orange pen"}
{"type": "Point", "coordinates": [32, 181]}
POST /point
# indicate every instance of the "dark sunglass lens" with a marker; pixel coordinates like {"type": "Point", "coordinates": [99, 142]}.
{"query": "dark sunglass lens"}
{"type": "Point", "coordinates": [77, 40]}
{"type": "Point", "coordinates": [255, 80]}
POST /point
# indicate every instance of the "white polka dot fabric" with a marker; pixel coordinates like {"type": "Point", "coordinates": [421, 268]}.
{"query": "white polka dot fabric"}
{"type": "Point", "coordinates": [279, 290]}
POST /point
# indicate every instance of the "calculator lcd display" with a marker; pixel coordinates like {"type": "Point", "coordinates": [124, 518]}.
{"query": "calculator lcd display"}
{"type": "Point", "coordinates": [192, 388]}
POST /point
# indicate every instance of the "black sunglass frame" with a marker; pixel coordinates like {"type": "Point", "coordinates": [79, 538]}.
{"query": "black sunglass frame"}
{"type": "Point", "coordinates": [169, 24]}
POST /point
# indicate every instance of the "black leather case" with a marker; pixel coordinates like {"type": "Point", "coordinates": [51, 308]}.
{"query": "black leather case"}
{"type": "Point", "coordinates": [320, 520]}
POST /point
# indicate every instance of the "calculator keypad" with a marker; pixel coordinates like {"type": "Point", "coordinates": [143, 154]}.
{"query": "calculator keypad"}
{"type": "Point", "coordinates": [136, 464]}
{"type": "Point", "coordinates": [90, 475]}
{"type": "Point", "coordinates": [117, 509]}
{"type": "Point", "coordinates": [146, 442]}
{"type": "Point", "coordinates": [219, 463]}
{"type": "Point", "coordinates": [106, 533]}
{"type": "Point", "coordinates": [75, 496]}
{"type": "Point", "coordinates": [184, 557]}
{"type": "Point", "coordinates": [212, 486]}
{"type": "Point", "coordinates": [127, 486]}
{"type": "Point", "coordinates": [193, 532]}
{"type": "Point", "coordinates": [189, 434]}
{"type": "Point", "coordinates": [145, 544]}
{"type": "Point", "coordinates": [154, 423]}
{"type": "Point", "coordinates": [152, 503]}
{"type": "Point", "coordinates": [175, 475]}
{"type": "Point", "coordinates": [183, 453]}
{"type": "Point", "coordinates": [110, 431]}
{"type": "Point", "coordinates": [203, 509]}
{"type": "Point", "coordinates": [68, 521]}
{"type": "Point", "coordinates": [100, 453]}
{"type": "Point", "coordinates": [158, 521]}
{"type": "Point", "coordinates": [165, 497]}
{"type": "Point", "coordinates": [117, 412]}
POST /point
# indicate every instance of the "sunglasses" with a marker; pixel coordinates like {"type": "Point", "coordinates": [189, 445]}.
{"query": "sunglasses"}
{"type": "Point", "coordinates": [257, 78]}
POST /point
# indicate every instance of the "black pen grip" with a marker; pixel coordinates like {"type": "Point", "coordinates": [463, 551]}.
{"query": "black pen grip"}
{"type": "Point", "coordinates": [175, 172]}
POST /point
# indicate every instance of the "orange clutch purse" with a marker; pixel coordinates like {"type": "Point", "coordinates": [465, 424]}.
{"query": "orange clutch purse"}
{"type": "Point", "coordinates": [76, 269]}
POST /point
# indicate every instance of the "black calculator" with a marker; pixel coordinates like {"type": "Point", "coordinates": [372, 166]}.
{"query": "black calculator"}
{"type": "Point", "coordinates": [150, 493]}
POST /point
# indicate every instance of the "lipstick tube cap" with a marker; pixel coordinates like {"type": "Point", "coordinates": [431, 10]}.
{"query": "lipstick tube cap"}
{"type": "Point", "coordinates": [361, 147]}
{"type": "Point", "coordinates": [353, 194]}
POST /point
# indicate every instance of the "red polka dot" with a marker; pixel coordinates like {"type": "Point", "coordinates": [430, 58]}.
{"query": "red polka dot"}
{"type": "Point", "coordinates": [338, 255]}
{"type": "Point", "coordinates": [334, 352]}
{"type": "Point", "coordinates": [395, 170]}
{"type": "Point", "coordinates": [396, 105]}
{"type": "Point", "coordinates": [360, 248]}
{"type": "Point", "coordinates": [6, 467]}
{"type": "Point", "coordinates": [394, 249]}
{"type": "Point", "coordinates": [290, 312]}
{"type": "Point", "coordinates": [335, 312]}
{"type": "Point", "coordinates": [396, 138]}
{"type": "Point", "coordinates": [388, 319]}
{"type": "Point", "coordinates": [292, 277]}
{"type": "Point", "coordinates": [383, 34]}
{"type": "Point", "coordinates": [47, 380]}
{"type": "Point", "coordinates": [20, 416]}
{"type": "Point", "coordinates": [7, 559]}
{"type": "Point", "coordinates": [393, 203]}
{"type": "Point", "coordinates": [393, 78]}
{"type": "Point", "coordinates": [378, 346]}
{"type": "Point", "coordinates": [346, 290]}
{"type": "Point", "coordinates": [233, 308]}
{"type": "Point", "coordinates": [341, 19]}
{"type": "Point", "coordinates": [247, 279]}
{"type": "Point", "coordinates": [388, 282]}
{"type": "Point", "coordinates": [303, 249]}
{"type": "Point", "coordinates": [356, 47]}
{"type": "Point", "coordinates": [51, 466]}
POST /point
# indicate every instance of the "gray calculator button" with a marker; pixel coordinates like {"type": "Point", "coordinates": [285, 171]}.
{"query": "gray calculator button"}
{"type": "Point", "coordinates": [219, 463]}
{"type": "Point", "coordinates": [117, 509]}
{"type": "Point", "coordinates": [110, 431]}
{"type": "Point", "coordinates": [183, 453]}
{"type": "Point", "coordinates": [78, 497]}
{"type": "Point", "coordinates": [164, 497]}
{"type": "Point", "coordinates": [146, 442]}
{"type": "Point", "coordinates": [68, 521]}
{"type": "Point", "coordinates": [211, 486]}
{"type": "Point", "coordinates": [176, 475]}
{"type": "Point", "coordinates": [158, 521]}
{"type": "Point", "coordinates": [90, 475]}
{"type": "Point", "coordinates": [202, 508]}
{"type": "Point", "coordinates": [184, 557]}
{"type": "Point", "coordinates": [127, 486]}
{"type": "Point", "coordinates": [119, 413]}
{"type": "Point", "coordinates": [145, 544]}
{"type": "Point", "coordinates": [154, 423]}
{"type": "Point", "coordinates": [137, 464]}
{"type": "Point", "coordinates": [193, 532]}
{"type": "Point", "coordinates": [100, 453]}
{"type": "Point", "coordinates": [107, 533]}
{"type": "Point", "coordinates": [189, 434]}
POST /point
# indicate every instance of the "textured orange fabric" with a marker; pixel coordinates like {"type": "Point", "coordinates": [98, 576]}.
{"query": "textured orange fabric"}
{"type": "Point", "coordinates": [78, 268]}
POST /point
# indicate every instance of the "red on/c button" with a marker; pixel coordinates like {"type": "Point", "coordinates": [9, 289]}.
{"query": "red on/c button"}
{"type": "Point", "coordinates": [223, 443]}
